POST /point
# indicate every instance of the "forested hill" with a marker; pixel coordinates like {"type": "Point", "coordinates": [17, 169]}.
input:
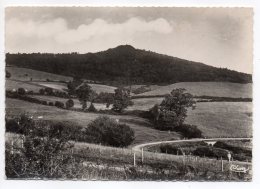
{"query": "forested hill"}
{"type": "Point", "coordinates": [125, 64]}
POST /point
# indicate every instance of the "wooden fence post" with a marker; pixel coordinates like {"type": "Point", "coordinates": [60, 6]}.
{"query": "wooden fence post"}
{"type": "Point", "coordinates": [12, 147]}
{"type": "Point", "coordinates": [142, 155]}
{"type": "Point", "coordinates": [22, 143]}
{"type": "Point", "coordinates": [222, 166]}
{"type": "Point", "coordinates": [134, 160]}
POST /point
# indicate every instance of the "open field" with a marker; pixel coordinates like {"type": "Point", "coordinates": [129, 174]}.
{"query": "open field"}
{"type": "Point", "coordinates": [26, 74]}
{"type": "Point", "coordinates": [222, 119]}
{"type": "Point", "coordinates": [63, 86]}
{"type": "Point", "coordinates": [144, 103]}
{"type": "Point", "coordinates": [218, 89]}
{"type": "Point", "coordinates": [10, 84]}
{"type": "Point", "coordinates": [77, 104]}
{"type": "Point", "coordinates": [54, 85]}
{"type": "Point", "coordinates": [143, 131]}
{"type": "Point", "coordinates": [102, 88]}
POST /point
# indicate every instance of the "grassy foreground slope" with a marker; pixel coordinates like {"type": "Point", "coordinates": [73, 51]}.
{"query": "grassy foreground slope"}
{"type": "Point", "coordinates": [218, 89]}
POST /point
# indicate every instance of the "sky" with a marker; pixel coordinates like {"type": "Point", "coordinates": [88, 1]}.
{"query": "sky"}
{"type": "Point", "coordinates": [220, 37]}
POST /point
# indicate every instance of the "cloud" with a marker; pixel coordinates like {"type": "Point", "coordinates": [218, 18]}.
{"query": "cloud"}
{"type": "Point", "coordinates": [59, 31]}
{"type": "Point", "coordinates": [16, 27]}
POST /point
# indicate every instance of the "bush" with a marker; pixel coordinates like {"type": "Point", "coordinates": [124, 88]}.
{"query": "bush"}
{"type": "Point", "coordinates": [7, 74]}
{"type": "Point", "coordinates": [211, 152]}
{"type": "Point", "coordinates": [167, 120]}
{"type": "Point", "coordinates": [49, 91]}
{"type": "Point", "coordinates": [92, 108]}
{"type": "Point", "coordinates": [69, 103]}
{"type": "Point", "coordinates": [43, 102]}
{"type": "Point", "coordinates": [22, 124]}
{"type": "Point", "coordinates": [39, 157]}
{"type": "Point", "coordinates": [42, 91]}
{"type": "Point", "coordinates": [107, 131]}
{"type": "Point", "coordinates": [12, 126]}
{"type": "Point", "coordinates": [51, 104]}
{"type": "Point", "coordinates": [59, 104]}
{"type": "Point", "coordinates": [239, 153]}
{"type": "Point", "coordinates": [21, 91]}
{"type": "Point", "coordinates": [170, 149]}
{"type": "Point", "coordinates": [30, 92]}
{"type": "Point", "coordinates": [189, 131]}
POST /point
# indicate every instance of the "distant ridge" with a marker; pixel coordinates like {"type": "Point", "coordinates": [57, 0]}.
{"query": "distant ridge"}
{"type": "Point", "coordinates": [126, 65]}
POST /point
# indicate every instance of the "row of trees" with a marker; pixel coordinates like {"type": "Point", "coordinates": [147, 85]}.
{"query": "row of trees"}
{"type": "Point", "coordinates": [121, 99]}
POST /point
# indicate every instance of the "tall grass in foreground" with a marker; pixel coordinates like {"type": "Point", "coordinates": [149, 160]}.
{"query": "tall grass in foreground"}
{"type": "Point", "coordinates": [96, 162]}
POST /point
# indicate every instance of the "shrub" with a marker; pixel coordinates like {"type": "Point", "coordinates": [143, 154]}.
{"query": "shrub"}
{"type": "Point", "coordinates": [30, 92]}
{"type": "Point", "coordinates": [107, 131]}
{"type": "Point", "coordinates": [105, 97]}
{"type": "Point", "coordinates": [92, 108]}
{"type": "Point", "coordinates": [167, 120]}
{"type": "Point", "coordinates": [7, 74]}
{"type": "Point", "coordinates": [22, 124]}
{"type": "Point", "coordinates": [189, 131]}
{"type": "Point", "coordinates": [21, 91]}
{"type": "Point", "coordinates": [12, 126]}
{"type": "Point", "coordinates": [211, 152]}
{"type": "Point", "coordinates": [39, 157]}
{"type": "Point", "coordinates": [51, 104]}
{"type": "Point", "coordinates": [49, 91]}
{"type": "Point", "coordinates": [239, 153]}
{"type": "Point", "coordinates": [59, 104]}
{"type": "Point", "coordinates": [42, 91]}
{"type": "Point", "coordinates": [170, 149]}
{"type": "Point", "coordinates": [43, 102]}
{"type": "Point", "coordinates": [69, 103]}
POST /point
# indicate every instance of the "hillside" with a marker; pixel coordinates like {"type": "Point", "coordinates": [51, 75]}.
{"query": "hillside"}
{"type": "Point", "coordinates": [217, 89]}
{"type": "Point", "coordinates": [24, 74]}
{"type": "Point", "coordinates": [126, 65]}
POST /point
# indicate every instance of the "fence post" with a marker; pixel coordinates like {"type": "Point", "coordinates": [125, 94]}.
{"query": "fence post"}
{"type": "Point", "coordinates": [12, 147]}
{"type": "Point", "coordinates": [222, 166]}
{"type": "Point", "coordinates": [142, 155]}
{"type": "Point", "coordinates": [134, 160]}
{"type": "Point", "coordinates": [22, 143]}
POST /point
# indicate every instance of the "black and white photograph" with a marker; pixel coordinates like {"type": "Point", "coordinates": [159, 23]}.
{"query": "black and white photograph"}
{"type": "Point", "coordinates": [128, 93]}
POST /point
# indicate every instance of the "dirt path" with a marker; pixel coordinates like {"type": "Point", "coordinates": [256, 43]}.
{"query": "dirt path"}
{"type": "Point", "coordinates": [140, 146]}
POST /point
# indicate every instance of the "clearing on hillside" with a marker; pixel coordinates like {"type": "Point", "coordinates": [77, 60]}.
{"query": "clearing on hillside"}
{"type": "Point", "coordinates": [10, 85]}
{"type": "Point", "coordinates": [217, 89]}
{"type": "Point", "coordinates": [25, 74]}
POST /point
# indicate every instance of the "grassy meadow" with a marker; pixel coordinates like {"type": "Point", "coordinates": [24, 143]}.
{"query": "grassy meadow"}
{"type": "Point", "coordinates": [143, 129]}
{"type": "Point", "coordinates": [222, 119]}
{"type": "Point", "coordinates": [25, 74]}
{"type": "Point", "coordinates": [218, 89]}
{"type": "Point", "coordinates": [11, 84]}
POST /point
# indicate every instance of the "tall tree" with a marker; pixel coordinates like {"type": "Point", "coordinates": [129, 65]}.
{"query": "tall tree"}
{"type": "Point", "coordinates": [122, 99]}
{"type": "Point", "coordinates": [173, 109]}
{"type": "Point", "coordinates": [83, 93]}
